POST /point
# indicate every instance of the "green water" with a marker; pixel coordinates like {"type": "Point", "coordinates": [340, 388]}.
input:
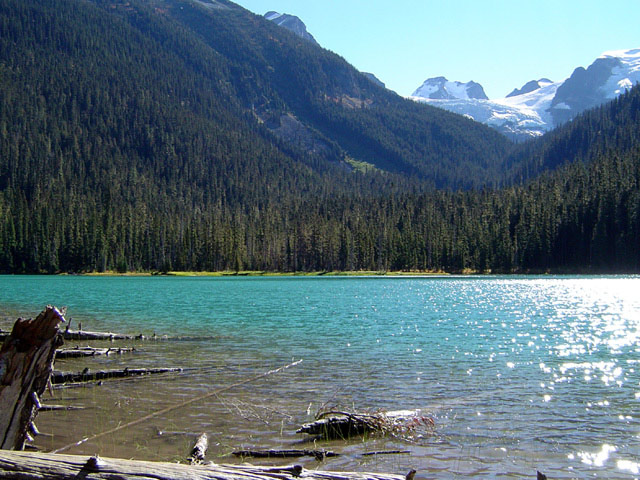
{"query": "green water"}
{"type": "Point", "coordinates": [519, 373]}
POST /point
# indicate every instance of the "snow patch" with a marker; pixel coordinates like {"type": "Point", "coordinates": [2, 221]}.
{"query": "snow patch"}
{"type": "Point", "coordinates": [528, 114]}
{"type": "Point", "coordinates": [272, 15]}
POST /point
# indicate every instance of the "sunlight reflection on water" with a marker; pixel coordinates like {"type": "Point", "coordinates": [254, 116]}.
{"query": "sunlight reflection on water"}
{"type": "Point", "coordinates": [520, 373]}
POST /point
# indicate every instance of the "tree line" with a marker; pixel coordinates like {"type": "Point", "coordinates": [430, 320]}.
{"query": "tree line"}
{"type": "Point", "coordinates": [141, 138]}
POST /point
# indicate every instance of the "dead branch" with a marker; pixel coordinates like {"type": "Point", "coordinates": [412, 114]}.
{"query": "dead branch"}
{"type": "Point", "coordinates": [178, 405]}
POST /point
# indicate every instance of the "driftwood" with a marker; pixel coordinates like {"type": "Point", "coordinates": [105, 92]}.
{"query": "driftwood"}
{"type": "Point", "coordinates": [199, 450]}
{"type": "Point", "coordinates": [49, 466]}
{"type": "Point", "coordinates": [88, 376]}
{"type": "Point", "coordinates": [338, 424]}
{"type": "Point", "coordinates": [57, 408]}
{"type": "Point", "coordinates": [78, 352]}
{"type": "Point", "coordinates": [26, 361]}
{"type": "Point", "coordinates": [294, 453]}
{"type": "Point", "coordinates": [83, 335]}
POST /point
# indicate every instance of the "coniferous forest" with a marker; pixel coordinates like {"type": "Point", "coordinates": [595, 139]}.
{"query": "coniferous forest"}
{"type": "Point", "coordinates": [161, 135]}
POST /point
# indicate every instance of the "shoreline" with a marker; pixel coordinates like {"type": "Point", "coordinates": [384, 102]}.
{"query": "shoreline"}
{"type": "Point", "coordinates": [337, 273]}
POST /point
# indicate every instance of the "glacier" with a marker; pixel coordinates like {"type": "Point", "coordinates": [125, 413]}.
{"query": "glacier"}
{"type": "Point", "coordinates": [540, 105]}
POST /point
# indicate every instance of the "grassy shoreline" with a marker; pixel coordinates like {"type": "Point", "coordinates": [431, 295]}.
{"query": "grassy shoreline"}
{"type": "Point", "coordinates": [258, 273]}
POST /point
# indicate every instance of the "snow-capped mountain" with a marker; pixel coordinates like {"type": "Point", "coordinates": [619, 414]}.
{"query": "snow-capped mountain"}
{"type": "Point", "coordinates": [541, 105]}
{"type": "Point", "coordinates": [439, 88]}
{"type": "Point", "coordinates": [290, 22]}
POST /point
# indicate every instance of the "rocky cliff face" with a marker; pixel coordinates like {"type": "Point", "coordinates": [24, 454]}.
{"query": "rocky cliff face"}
{"type": "Point", "coordinates": [290, 22]}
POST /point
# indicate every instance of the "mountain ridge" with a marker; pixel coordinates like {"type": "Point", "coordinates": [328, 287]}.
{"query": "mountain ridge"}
{"type": "Point", "coordinates": [542, 105]}
{"type": "Point", "coordinates": [290, 22]}
{"type": "Point", "coordinates": [164, 135]}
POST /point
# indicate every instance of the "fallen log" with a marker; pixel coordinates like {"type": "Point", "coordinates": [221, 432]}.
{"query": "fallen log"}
{"type": "Point", "coordinates": [84, 335]}
{"type": "Point", "coordinates": [88, 376]}
{"type": "Point", "coordinates": [292, 453]}
{"type": "Point", "coordinates": [47, 466]}
{"type": "Point", "coordinates": [57, 408]}
{"type": "Point", "coordinates": [26, 361]}
{"type": "Point", "coordinates": [78, 352]}
{"type": "Point", "coordinates": [339, 425]}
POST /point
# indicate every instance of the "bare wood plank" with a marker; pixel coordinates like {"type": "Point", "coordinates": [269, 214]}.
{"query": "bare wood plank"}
{"type": "Point", "coordinates": [48, 466]}
{"type": "Point", "coordinates": [26, 362]}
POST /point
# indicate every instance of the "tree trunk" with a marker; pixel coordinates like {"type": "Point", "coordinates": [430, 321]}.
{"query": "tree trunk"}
{"type": "Point", "coordinates": [26, 362]}
{"type": "Point", "coordinates": [48, 466]}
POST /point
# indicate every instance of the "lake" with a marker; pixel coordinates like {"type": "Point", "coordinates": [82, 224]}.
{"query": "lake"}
{"type": "Point", "coordinates": [519, 373]}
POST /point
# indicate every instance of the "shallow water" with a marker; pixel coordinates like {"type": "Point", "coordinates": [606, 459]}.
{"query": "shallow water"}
{"type": "Point", "coordinates": [519, 373]}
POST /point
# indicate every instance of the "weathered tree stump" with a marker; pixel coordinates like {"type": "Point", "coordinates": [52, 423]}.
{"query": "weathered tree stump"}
{"type": "Point", "coordinates": [45, 466]}
{"type": "Point", "coordinates": [26, 362]}
{"type": "Point", "coordinates": [199, 450]}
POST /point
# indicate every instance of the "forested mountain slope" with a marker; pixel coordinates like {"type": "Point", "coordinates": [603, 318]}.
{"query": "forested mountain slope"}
{"type": "Point", "coordinates": [279, 75]}
{"type": "Point", "coordinates": [612, 127]}
{"type": "Point", "coordinates": [192, 135]}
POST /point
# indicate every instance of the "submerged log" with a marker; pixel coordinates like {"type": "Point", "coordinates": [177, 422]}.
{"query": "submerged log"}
{"type": "Point", "coordinates": [47, 466]}
{"type": "Point", "coordinates": [82, 335]}
{"type": "Point", "coordinates": [78, 352]}
{"type": "Point", "coordinates": [293, 453]}
{"type": "Point", "coordinates": [88, 376]}
{"type": "Point", "coordinates": [57, 408]}
{"type": "Point", "coordinates": [26, 362]}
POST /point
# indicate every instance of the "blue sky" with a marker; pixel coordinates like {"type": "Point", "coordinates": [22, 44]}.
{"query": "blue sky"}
{"type": "Point", "coordinates": [501, 44]}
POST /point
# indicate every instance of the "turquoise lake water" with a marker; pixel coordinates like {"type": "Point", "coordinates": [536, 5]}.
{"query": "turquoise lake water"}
{"type": "Point", "coordinates": [519, 373]}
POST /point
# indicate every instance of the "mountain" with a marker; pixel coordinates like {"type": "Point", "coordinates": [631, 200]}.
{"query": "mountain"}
{"type": "Point", "coordinates": [610, 75]}
{"type": "Point", "coordinates": [612, 129]}
{"type": "Point", "coordinates": [529, 87]}
{"type": "Point", "coordinates": [541, 105]}
{"type": "Point", "coordinates": [195, 135]}
{"type": "Point", "coordinates": [290, 22]}
{"type": "Point", "coordinates": [439, 88]}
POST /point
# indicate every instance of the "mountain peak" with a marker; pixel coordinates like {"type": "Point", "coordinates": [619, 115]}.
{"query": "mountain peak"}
{"type": "Point", "coordinates": [439, 88]}
{"type": "Point", "coordinates": [529, 87]}
{"type": "Point", "coordinates": [290, 22]}
{"type": "Point", "coordinates": [540, 105]}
